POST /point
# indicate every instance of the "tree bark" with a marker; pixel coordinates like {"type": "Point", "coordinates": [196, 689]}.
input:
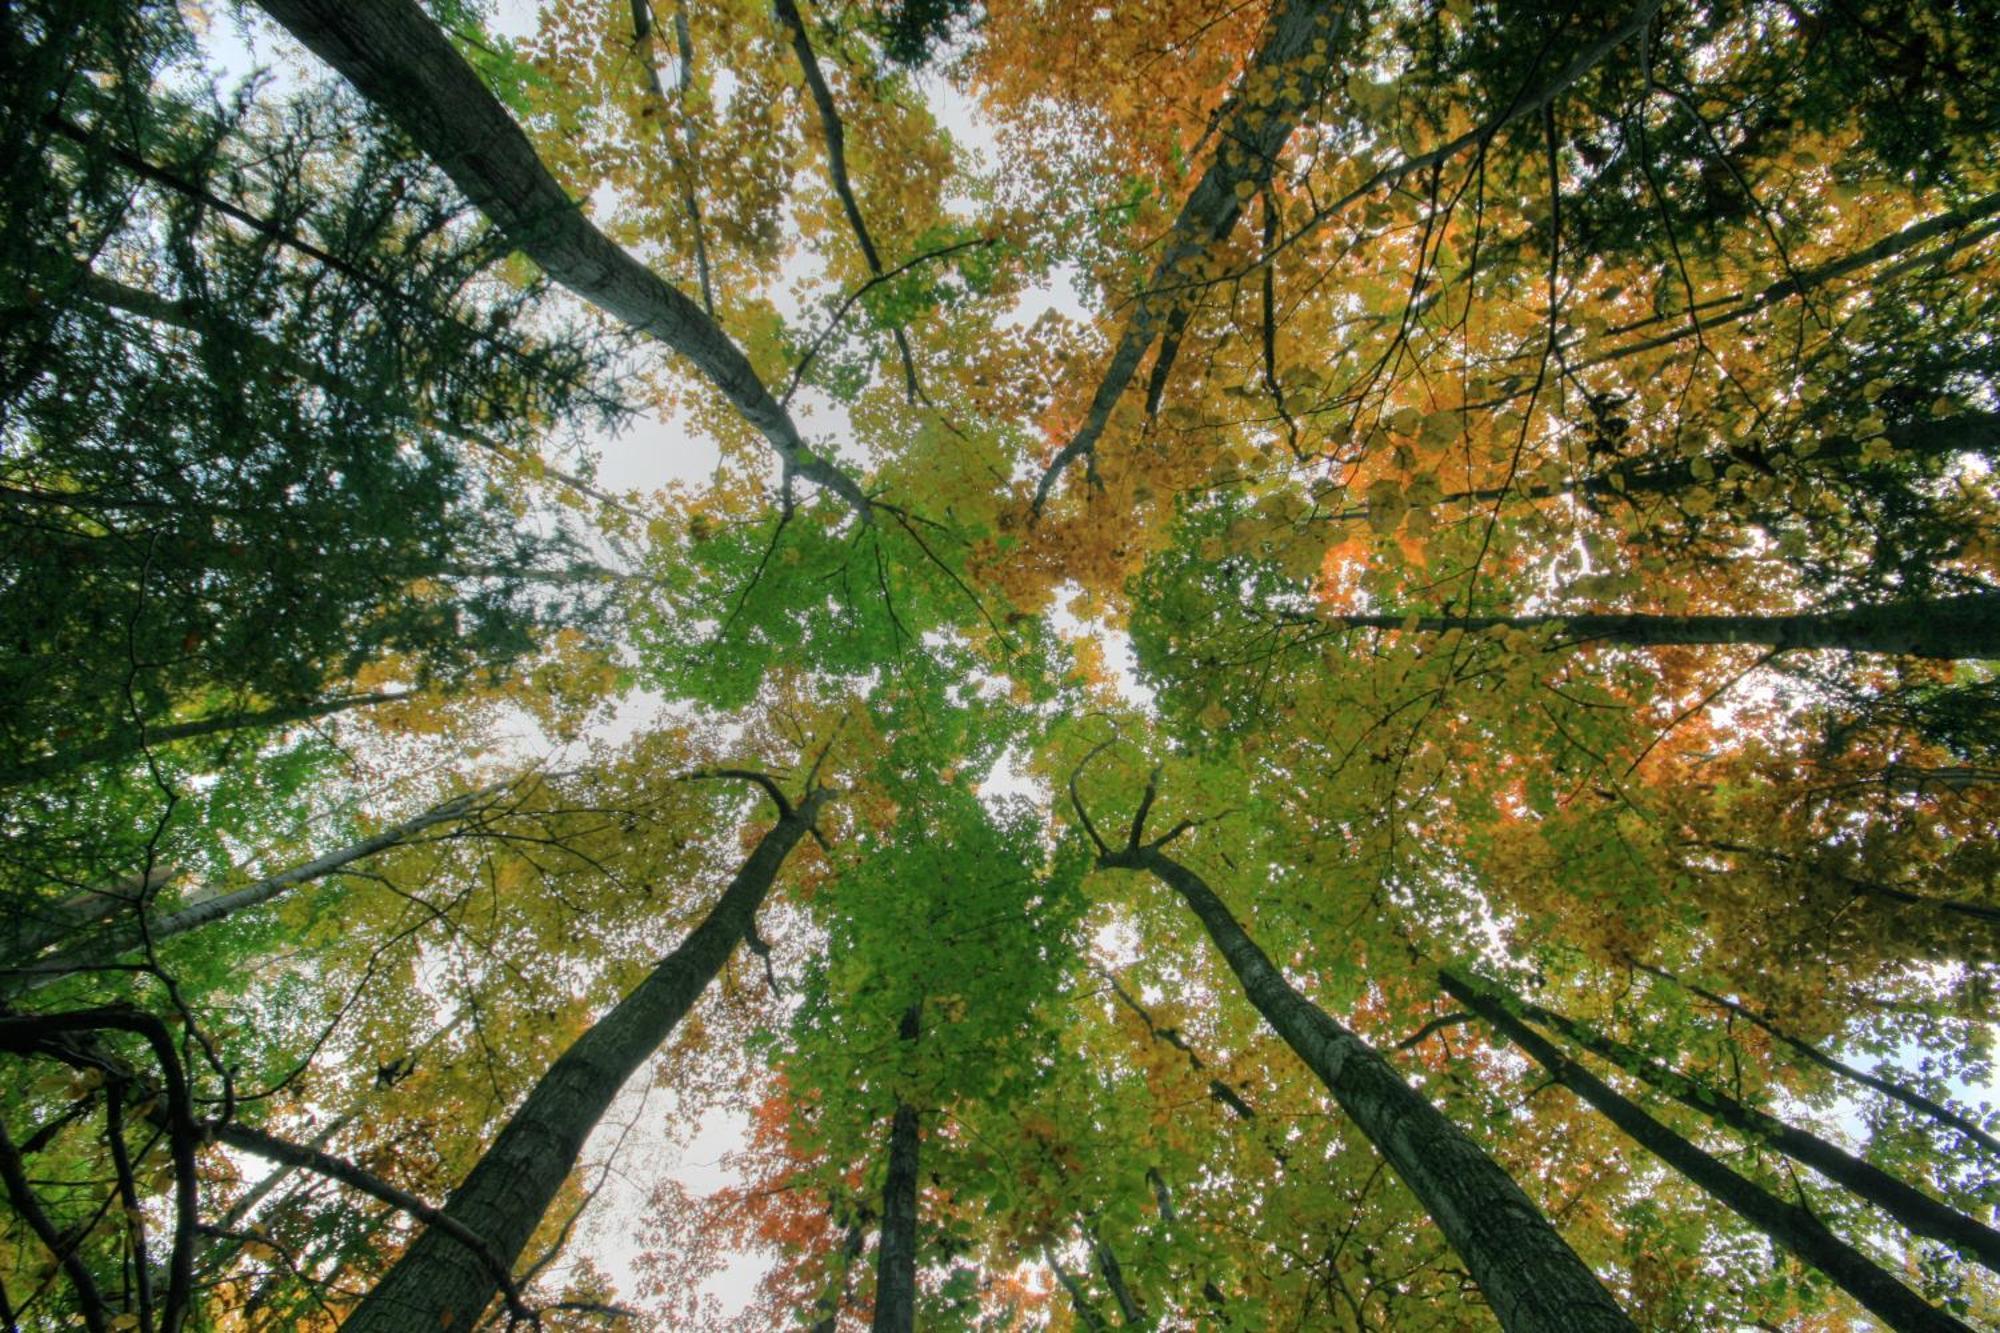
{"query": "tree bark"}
{"type": "Point", "coordinates": [1950, 629]}
{"type": "Point", "coordinates": [128, 741]}
{"type": "Point", "coordinates": [1251, 137]}
{"type": "Point", "coordinates": [896, 1252]}
{"type": "Point", "coordinates": [41, 927]}
{"type": "Point", "coordinates": [1908, 1096]}
{"type": "Point", "coordinates": [1968, 432]}
{"type": "Point", "coordinates": [1531, 1277]}
{"type": "Point", "coordinates": [33, 974]}
{"type": "Point", "coordinates": [439, 1283]}
{"type": "Point", "coordinates": [399, 60]}
{"type": "Point", "coordinates": [1910, 1206]}
{"type": "Point", "coordinates": [1787, 1224]}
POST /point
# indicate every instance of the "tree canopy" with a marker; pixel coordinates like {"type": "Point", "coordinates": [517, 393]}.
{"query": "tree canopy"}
{"type": "Point", "coordinates": [1337, 671]}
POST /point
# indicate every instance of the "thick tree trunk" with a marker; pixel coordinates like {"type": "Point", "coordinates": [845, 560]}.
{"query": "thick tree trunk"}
{"type": "Point", "coordinates": [1787, 1224]}
{"type": "Point", "coordinates": [1532, 1278]}
{"type": "Point", "coordinates": [124, 937]}
{"type": "Point", "coordinates": [1912, 1207]}
{"type": "Point", "coordinates": [896, 1252]}
{"type": "Point", "coordinates": [399, 60]}
{"type": "Point", "coordinates": [1951, 628]}
{"type": "Point", "coordinates": [128, 741]}
{"type": "Point", "coordinates": [439, 1283]}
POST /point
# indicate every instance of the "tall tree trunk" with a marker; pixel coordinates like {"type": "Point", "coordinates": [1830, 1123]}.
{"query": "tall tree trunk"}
{"type": "Point", "coordinates": [1130, 1308]}
{"type": "Point", "coordinates": [40, 927]}
{"type": "Point", "coordinates": [123, 938]}
{"type": "Point", "coordinates": [1968, 432]}
{"type": "Point", "coordinates": [1253, 133]}
{"type": "Point", "coordinates": [1912, 1207]}
{"type": "Point", "coordinates": [896, 1253]}
{"type": "Point", "coordinates": [1787, 1224]}
{"type": "Point", "coordinates": [129, 740]}
{"type": "Point", "coordinates": [1532, 1278]}
{"type": "Point", "coordinates": [1079, 1299]}
{"type": "Point", "coordinates": [439, 1283]}
{"type": "Point", "coordinates": [399, 60]}
{"type": "Point", "coordinates": [1951, 628]}
{"type": "Point", "coordinates": [680, 154]}
{"type": "Point", "coordinates": [834, 1301]}
{"type": "Point", "coordinates": [1908, 1096]}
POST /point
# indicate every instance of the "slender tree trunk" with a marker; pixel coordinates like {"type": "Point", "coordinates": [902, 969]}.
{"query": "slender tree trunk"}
{"type": "Point", "coordinates": [41, 927]}
{"type": "Point", "coordinates": [681, 156]}
{"type": "Point", "coordinates": [1130, 1308]}
{"type": "Point", "coordinates": [129, 740]}
{"type": "Point", "coordinates": [831, 1304]}
{"type": "Point", "coordinates": [896, 1253]}
{"type": "Point", "coordinates": [399, 60]}
{"type": "Point", "coordinates": [439, 1283]}
{"type": "Point", "coordinates": [1787, 1224]}
{"type": "Point", "coordinates": [1531, 1277]}
{"type": "Point", "coordinates": [1969, 432]}
{"type": "Point", "coordinates": [1254, 133]}
{"type": "Point", "coordinates": [1908, 1096]}
{"type": "Point", "coordinates": [1950, 629]}
{"type": "Point", "coordinates": [1079, 1299]}
{"type": "Point", "coordinates": [123, 938]}
{"type": "Point", "coordinates": [1912, 1207]}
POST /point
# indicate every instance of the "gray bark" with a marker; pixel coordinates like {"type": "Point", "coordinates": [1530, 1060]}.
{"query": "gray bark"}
{"type": "Point", "coordinates": [129, 740]}
{"type": "Point", "coordinates": [896, 1251]}
{"type": "Point", "coordinates": [1950, 629]}
{"type": "Point", "coordinates": [399, 60]}
{"type": "Point", "coordinates": [1251, 138]}
{"type": "Point", "coordinates": [683, 161]}
{"type": "Point", "coordinates": [42, 927]}
{"type": "Point", "coordinates": [440, 1283]}
{"type": "Point", "coordinates": [1908, 1096]}
{"type": "Point", "coordinates": [1910, 1206]}
{"type": "Point", "coordinates": [1787, 1224]}
{"type": "Point", "coordinates": [126, 937]}
{"type": "Point", "coordinates": [1531, 1277]}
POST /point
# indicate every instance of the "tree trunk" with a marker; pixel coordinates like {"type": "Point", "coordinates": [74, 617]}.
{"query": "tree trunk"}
{"type": "Point", "coordinates": [1950, 629]}
{"type": "Point", "coordinates": [1787, 1224]}
{"type": "Point", "coordinates": [1908, 1096]}
{"type": "Point", "coordinates": [1079, 1299]}
{"type": "Point", "coordinates": [1531, 1277]}
{"type": "Point", "coordinates": [399, 60]}
{"type": "Point", "coordinates": [1255, 133]}
{"type": "Point", "coordinates": [1969, 432]}
{"type": "Point", "coordinates": [128, 741]}
{"type": "Point", "coordinates": [1912, 1207]}
{"type": "Point", "coordinates": [32, 974]}
{"type": "Point", "coordinates": [439, 1283]}
{"type": "Point", "coordinates": [38, 928]}
{"type": "Point", "coordinates": [1130, 1308]}
{"type": "Point", "coordinates": [896, 1252]}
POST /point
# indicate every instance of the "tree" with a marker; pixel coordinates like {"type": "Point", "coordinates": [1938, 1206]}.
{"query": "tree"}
{"type": "Point", "coordinates": [1540, 463]}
